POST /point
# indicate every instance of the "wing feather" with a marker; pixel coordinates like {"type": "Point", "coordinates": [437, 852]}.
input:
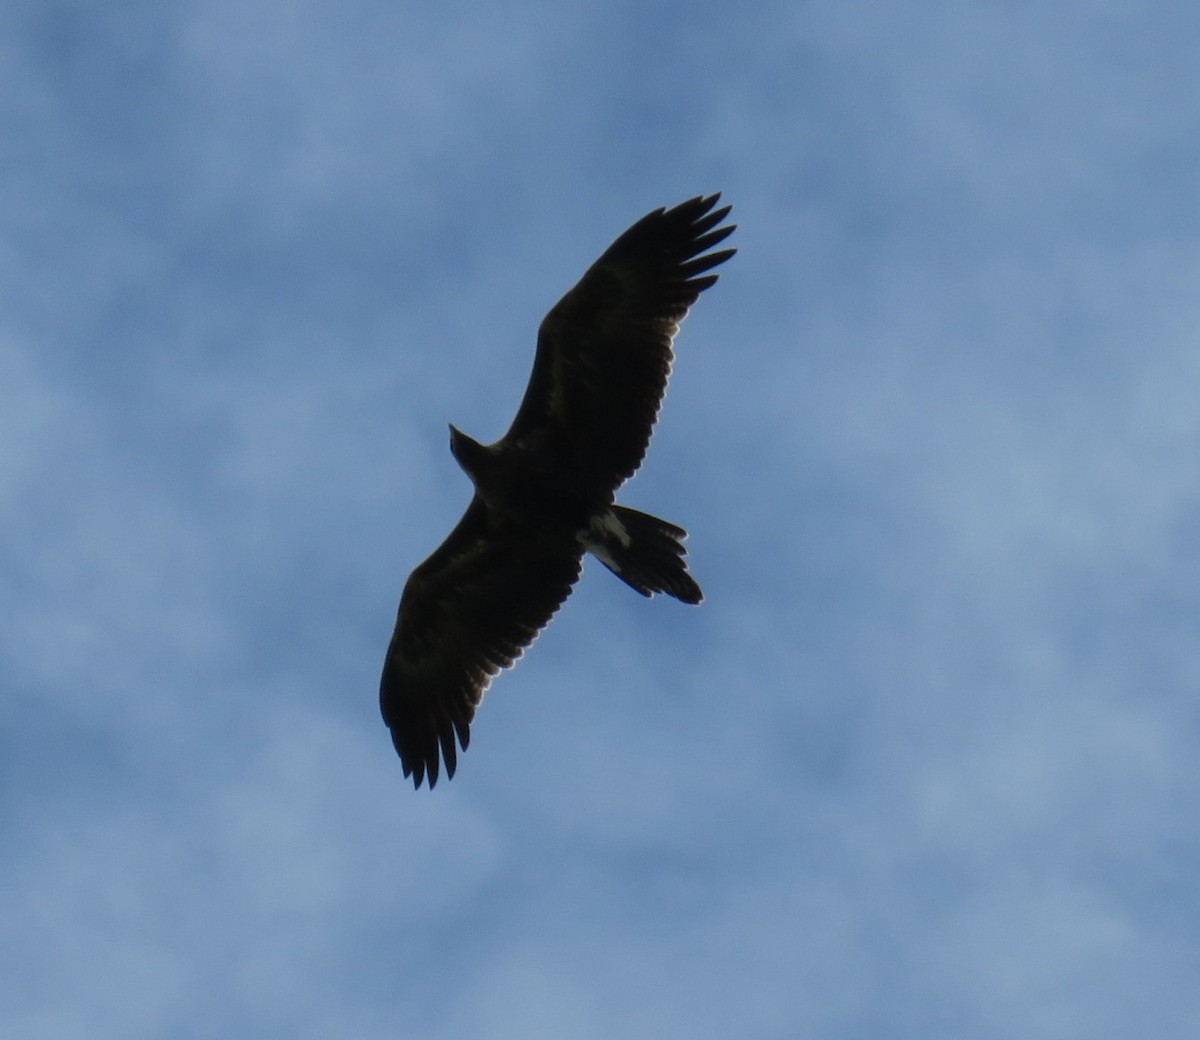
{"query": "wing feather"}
{"type": "Point", "coordinates": [605, 349]}
{"type": "Point", "coordinates": [466, 613]}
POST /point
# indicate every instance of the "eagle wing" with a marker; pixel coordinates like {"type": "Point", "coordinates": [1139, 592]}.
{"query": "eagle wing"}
{"type": "Point", "coordinates": [604, 350]}
{"type": "Point", "coordinates": [467, 612]}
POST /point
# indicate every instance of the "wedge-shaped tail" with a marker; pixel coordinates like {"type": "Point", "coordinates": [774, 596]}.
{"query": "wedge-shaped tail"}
{"type": "Point", "coordinates": [644, 552]}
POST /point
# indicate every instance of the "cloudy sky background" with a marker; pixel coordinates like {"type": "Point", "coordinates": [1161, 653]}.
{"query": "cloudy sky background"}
{"type": "Point", "coordinates": [925, 762]}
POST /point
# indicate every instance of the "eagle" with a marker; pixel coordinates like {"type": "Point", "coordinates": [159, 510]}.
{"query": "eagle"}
{"type": "Point", "coordinates": [545, 491]}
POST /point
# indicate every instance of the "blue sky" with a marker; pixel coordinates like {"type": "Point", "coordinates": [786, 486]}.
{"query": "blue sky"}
{"type": "Point", "coordinates": [924, 764]}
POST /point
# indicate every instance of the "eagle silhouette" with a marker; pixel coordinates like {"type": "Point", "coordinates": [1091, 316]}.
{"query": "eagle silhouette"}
{"type": "Point", "coordinates": [544, 492]}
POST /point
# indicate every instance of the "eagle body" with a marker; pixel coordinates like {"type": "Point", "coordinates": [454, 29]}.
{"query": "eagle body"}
{"type": "Point", "coordinates": [545, 492]}
{"type": "Point", "coordinates": [530, 482]}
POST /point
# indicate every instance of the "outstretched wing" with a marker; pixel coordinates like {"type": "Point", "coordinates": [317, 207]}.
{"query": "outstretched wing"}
{"type": "Point", "coordinates": [468, 611]}
{"type": "Point", "coordinates": [604, 350]}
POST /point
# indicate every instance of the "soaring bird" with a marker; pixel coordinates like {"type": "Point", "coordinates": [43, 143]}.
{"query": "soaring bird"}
{"type": "Point", "coordinates": [545, 492]}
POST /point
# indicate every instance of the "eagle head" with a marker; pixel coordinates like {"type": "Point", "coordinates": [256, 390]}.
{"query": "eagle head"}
{"type": "Point", "coordinates": [468, 451]}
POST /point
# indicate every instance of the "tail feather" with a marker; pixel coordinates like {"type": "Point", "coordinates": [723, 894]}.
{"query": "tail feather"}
{"type": "Point", "coordinates": [644, 552]}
